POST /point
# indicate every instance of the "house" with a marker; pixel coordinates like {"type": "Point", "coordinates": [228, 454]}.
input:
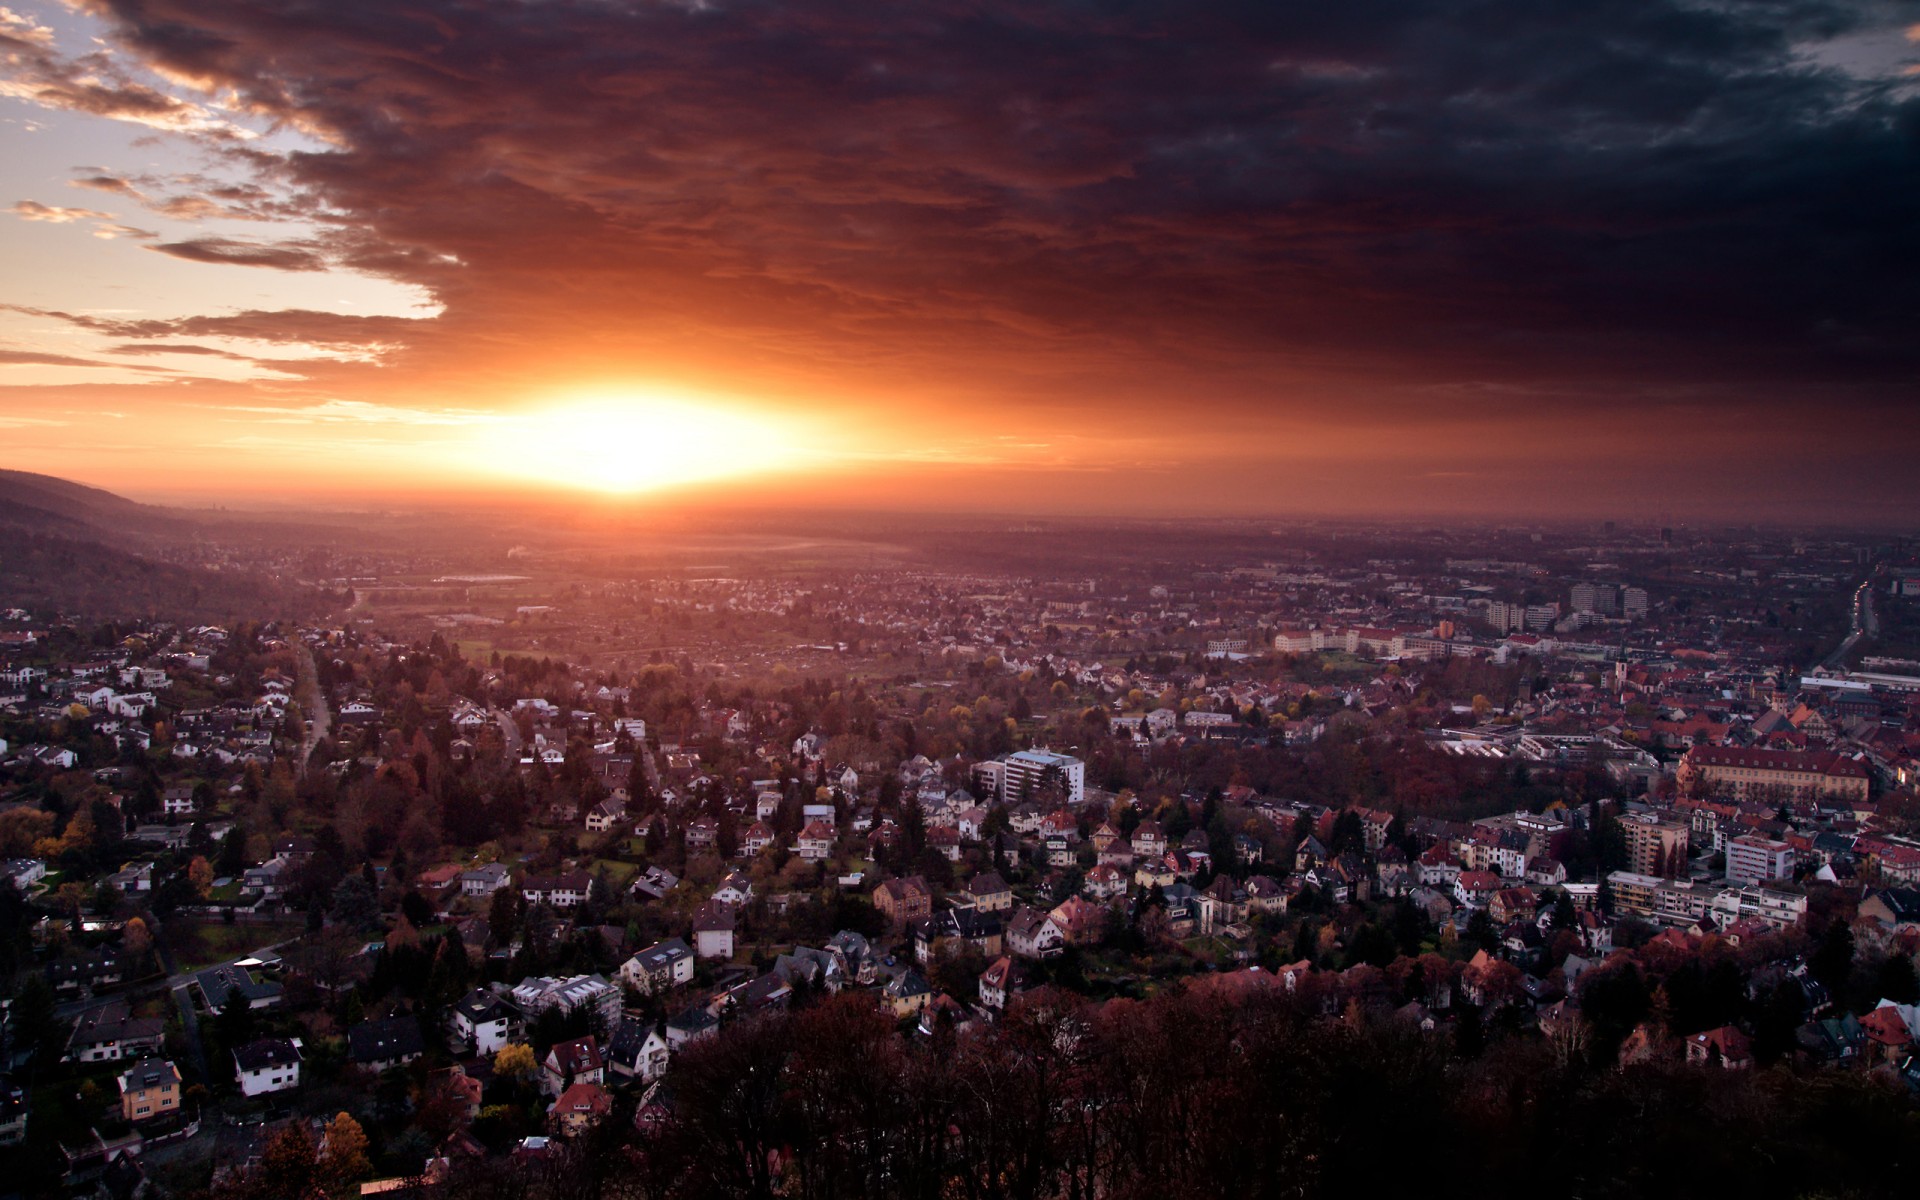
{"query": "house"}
{"type": "Point", "coordinates": [956, 926]}
{"type": "Point", "coordinates": [1265, 894]}
{"type": "Point", "coordinates": [380, 1045]}
{"type": "Point", "coordinates": [83, 973]}
{"type": "Point", "coordinates": [735, 889]}
{"type": "Point", "coordinates": [606, 816]}
{"type": "Point", "coordinates": [713, 925]}
{"type": "Point", "coordinates": [660, 967]}
{"type": "Point", "coordinates": [760, 994]}
{"type": "Point", "coordinates": [219, 984]}
{"type": "Point", "coordinates": [571, 1062]}
{"type": "Point", "coordinates": [485, 880]}
{"type": "Point", "coordinates": [639, 1050]}
{"type": "Point", "coordinates": [904, 901]}
{"type": "Point", "coordinates": [1475, 889]}
{"type": "Point", "coordinates": [1149, 840]}
{"type": "Point", "coordinates": [758, 838]}
{"type": "Point", "coordinates": [1223, 905]}
{"type": "Point", "coordinates": [1080, 920]}
{"type": "Point", "coordinates": [480, 1023]}
{"type": "Point", "coordinates": [148, 1089]}
{"type": "Point", "coordinates": [655, 882]}
{"type": "Point", "coordinates": [988, 892]}
{"type": "Point", "coordinates": [578, 1109]}
{"type": "Point", "coordinates": [267, 1065]}
{"type": "Point", "coordinates": [25, 872]}
{"type": "Point", "coordinates": [908, 993]}
{"type": "Point", "coordinates": [1724, 1047]}
{"type": "Point", "coordinates": [815, 841]}
{"type": "Point", "coordinates": [1032, 933]}
{"type": "Point", "coordinates": [690, 1026]}
{"type": "Point", "coordinates": [702, 832]}
{"type": "Point", "coordinates": [556, 891]}
{"type": "Point", "coordinates": [1000, 982]}
{"type": "Point", "coordinates": [110, 1033]}
{"type": "Point", "coordinates": [945, 840]}
{"type": "Point", "coordinates": [1104, 883]}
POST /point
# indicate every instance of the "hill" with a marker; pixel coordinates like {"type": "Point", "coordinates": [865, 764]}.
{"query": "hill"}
{"type": "Point", "coordinates": [90, 553]}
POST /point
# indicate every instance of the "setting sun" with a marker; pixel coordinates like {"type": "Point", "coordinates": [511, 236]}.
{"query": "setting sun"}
{"type": "Point", "coordinates": [636, 444]}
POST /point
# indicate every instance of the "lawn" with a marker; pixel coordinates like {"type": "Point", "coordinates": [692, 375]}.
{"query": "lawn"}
{"type": "Point", "coordinates": [619, 874]}
{"type": "Point", "coordinates": [198, 944]}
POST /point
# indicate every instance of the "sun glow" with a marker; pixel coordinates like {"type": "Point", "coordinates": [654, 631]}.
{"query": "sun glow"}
{"type": "Point", "coordinates": [638, 444]}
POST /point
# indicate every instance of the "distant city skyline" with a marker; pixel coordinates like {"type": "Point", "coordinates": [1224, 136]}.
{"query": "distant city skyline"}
{"type": "Point", "coordinates": [1648, 261]}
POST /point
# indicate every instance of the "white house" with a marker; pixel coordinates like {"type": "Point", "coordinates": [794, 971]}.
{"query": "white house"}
{"type": "Point", "coordinates": [268, 1065]}
{"type": "Point", "coordinates": [659, 967]}
{"type": "Point", "coordinates": [481, 1023]}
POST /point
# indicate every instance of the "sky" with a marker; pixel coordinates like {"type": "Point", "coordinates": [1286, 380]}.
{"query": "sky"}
{"type": "Point", "coordinates": [1621, 258]}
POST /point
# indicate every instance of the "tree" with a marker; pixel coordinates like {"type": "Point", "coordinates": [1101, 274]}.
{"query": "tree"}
{"type": "Point", "coordinates": [515, 1062]}
{"type": "Point", "coordinates": [136, 939]}
{"type": "Point", "coordinates": [200, 874]}
{"type": "Point", "coordinates": [1832, 961]}
{"type": "Point", "coordinates": [503, 914]}
{"type": "Point", "coordinates": [287, 1167]}
{"type": "Point", "coordinates": [343, 1159]}
{"type": "Point", "coordinates": [233, 852]}
{"type": "Point", "coordinates": [354, 904]}
{"type": "Point", "coordinates": [36, 1027]}
{"type": "Point", "coordinates": [1896, 980]}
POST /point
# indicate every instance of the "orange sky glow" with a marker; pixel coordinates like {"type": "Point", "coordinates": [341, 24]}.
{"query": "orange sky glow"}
{"type": "Point", "coordinates": [973, 257]}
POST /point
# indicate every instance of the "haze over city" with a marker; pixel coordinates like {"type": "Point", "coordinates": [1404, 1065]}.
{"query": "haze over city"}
{"type": "Point", "coordinates": [1640, 259]}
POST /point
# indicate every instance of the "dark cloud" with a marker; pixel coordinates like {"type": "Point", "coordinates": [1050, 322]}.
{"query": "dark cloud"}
{"type": "Point", "coordinates": [244, 254]}
{"type": "Point", "coordinates": [1114, 207]}
{"type": "Point", "coordinates": [35, 358]}
{"type": "Point", "coordinates": [285, 326]}
{"type": "Point", "coordinates": [175, 348]}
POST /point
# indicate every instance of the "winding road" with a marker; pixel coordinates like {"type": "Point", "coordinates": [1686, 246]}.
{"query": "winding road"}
{"type": "Point", "coordinates": [319, 716]}
{"type": "Point", "coordinates": [1865, 623]}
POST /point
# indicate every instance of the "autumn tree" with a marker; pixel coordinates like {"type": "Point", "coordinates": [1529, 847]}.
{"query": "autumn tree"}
{"type": "Point", "coordinates": [343, 1156]}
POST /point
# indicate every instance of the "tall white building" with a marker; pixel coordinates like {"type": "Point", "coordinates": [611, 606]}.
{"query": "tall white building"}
{"type": "Point", "coordinates": [1601, 598]}
{"type": "Point", "coordinates": [1752, 859]}
{"type": "Point", "coordinates": [1020, 773]}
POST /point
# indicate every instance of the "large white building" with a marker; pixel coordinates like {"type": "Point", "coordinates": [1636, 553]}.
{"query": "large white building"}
{"type": "Point", "coordinates": [536, 995]}
{"type": "Point", "coordinates": [1752, 859]}
{"type": "Point", "coordinates": [1020, 775]}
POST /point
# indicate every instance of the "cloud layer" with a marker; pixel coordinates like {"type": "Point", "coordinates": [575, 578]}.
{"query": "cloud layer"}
{"type": "Point", "coordinates": [1328, 218]}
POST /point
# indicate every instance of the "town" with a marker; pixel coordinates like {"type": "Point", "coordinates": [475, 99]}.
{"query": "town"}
{"type": "Point", "coordinates": [502, 869]}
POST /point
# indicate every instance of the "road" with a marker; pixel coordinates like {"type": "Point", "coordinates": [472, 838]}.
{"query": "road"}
{"type": "Point", "coordinates": [319, 716]}
{"type": "Point", "coordinates": [190, 1026]}
{"type": "Point", "coordinates": [1865, 623]}
{"type": "Point", "coordinates": [509, 733]}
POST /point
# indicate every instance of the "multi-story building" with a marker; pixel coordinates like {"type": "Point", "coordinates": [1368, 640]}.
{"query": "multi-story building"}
{"type": "Point", "coordinates": [1754, 859]}
{"type": "Point", "coordinates": [590, 992]}
{"type": "Point", "coordinates": [1600, 598]}
{"type": "Point", "coordinates": [659, 968]}
{"type": "Point", "coordinates": [1772, 776]}
{"type": "Point", "coordinates": [1655, 845]}
{"type": "Point", "coordinates": [1780, 909]}
{"type": "Point", "coordinates": [1644, 895]}
{"type": "Point", "coordinates": [148, 1089]}
{"type": "Point", "coordinates": [1023, 772]}
{"type": "Point", "coordinates": [904, 901]}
